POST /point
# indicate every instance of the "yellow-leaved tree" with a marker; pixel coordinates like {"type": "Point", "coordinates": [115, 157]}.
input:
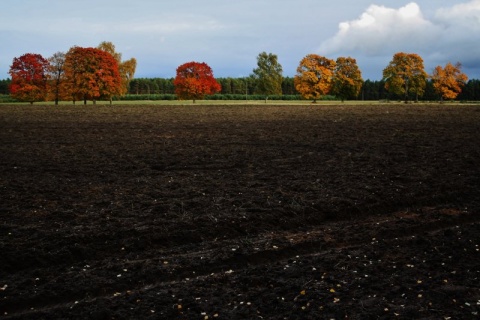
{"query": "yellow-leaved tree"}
{"type": "Point", "coordinates": [448, 81]}
{"type": "Point", "coordinates": [406, 75]}
{"type": "Point", "coordinates": [347, 79]}
{"type": "Point", "coordinates": [314, 76]}
{"type": "Point", "coordinates": [125, 68]}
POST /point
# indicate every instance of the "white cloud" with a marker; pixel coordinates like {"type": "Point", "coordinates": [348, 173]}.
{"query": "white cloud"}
{"type": "Point", "coordinates": [451, 35]}
{"type": "Point", "coordinates": [381, 30]}
{"type": "Point", "coordinates": [461, 33]}
{"type": "Point", "coordinates": [464, 15]}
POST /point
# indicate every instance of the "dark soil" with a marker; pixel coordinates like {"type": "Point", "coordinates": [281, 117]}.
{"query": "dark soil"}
{"type": "Point", "coordinates": [240, 212]}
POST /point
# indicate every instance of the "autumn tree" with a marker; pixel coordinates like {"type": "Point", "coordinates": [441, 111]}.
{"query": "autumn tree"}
{"type": "Point", "coordinates": [91, 74]}
{"type": "Point", "coordinates": [194, 80]}
{"type": "Point", "coordinates": [29, 78]}
{"type": "Point", "coordinates": [314, 76]}
{"type": "Point", "coordinates": [268, 75]}
{"type": "Point", "coordinates": [448, 81]}
{"type": "Point", "coordinates": [56, 73]}
{"type": "Point", "coordinates": [405, 75]}
{"type": "Point", "coordinates": [125, 68]}
{"type": "Point", "coordinates": [347, 79]}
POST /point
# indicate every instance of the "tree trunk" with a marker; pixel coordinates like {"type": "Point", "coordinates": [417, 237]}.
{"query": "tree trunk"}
{"type": "Point", "coordinates": [57, 91]}
{"type": "Point", "coordinates": [406, 92]}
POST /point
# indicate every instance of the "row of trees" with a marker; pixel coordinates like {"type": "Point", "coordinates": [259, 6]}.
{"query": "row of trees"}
{"type": "Point", "coordinates": [319, 76]}
{"type": "Point", "coordinates": [80, 74]}
{"type": "Point", "coordinates": [316, 77]}
{"type": "Point", "coordinates": [99, 73]}
{"type": "Point", "coordinates": [233, 88]}
{"type": "Point", "coordinates": [405, 75]}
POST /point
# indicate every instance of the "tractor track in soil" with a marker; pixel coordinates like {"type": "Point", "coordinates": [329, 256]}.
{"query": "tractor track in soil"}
{"type": "Point", "coordinates": [316, 242]}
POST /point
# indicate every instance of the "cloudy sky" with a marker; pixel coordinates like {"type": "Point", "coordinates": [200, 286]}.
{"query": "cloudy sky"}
{"type": "Point", "coordinates": [229, 34]}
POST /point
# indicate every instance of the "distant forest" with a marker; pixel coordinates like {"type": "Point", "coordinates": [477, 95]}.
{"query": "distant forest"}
{"type": "Point", "coordinates": [238, 88]}
{"type": "Point", "coordinates": [244, 88]}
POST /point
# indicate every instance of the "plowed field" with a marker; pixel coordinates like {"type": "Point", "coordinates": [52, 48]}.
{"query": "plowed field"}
{"type": "Point", "coordinates": [240, 212]}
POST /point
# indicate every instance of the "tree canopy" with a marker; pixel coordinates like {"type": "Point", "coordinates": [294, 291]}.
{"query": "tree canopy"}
{"type": "Point", "coordinates": [405, 75]}
{"type": "Point", "coordinates": [56, 74]}
{"type": "Point", "coordinates": [91, 73]}
{"type": "Point", "coordinates": [448, 81]}
{"type": "Point", "coordinates": [29, 74]}
{"type": "Point", "coordinates": [314, 76]}
{"type": "Point", "coordinates": [125, 68]}
{"type": "Point", "coordinates": [347, 79]}
{"type": "Point", "coordinates": [81, 73]}
{"type": "Point", "coordinates": [268, 74]}
{"type": "Point", "coordinates": [194, 80]}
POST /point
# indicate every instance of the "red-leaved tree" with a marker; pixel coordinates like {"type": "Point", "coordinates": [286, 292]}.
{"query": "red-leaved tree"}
{"type": "Point", "coordinates": [29, 78]}
{"type": "Point", "coordinates": [194, 80]}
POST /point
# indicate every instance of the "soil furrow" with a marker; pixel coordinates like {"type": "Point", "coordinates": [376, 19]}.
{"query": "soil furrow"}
{"type": "Point", "coordinates": [316, 242]}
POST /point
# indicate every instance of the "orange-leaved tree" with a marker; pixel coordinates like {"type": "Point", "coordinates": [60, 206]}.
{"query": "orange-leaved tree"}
{"type": "Point", "coordinates": [126, 68]}
{"type": "Point", "coordinates": [448, 81]}
{"type": "Point", "coordinates": [347, 79]}
{"type": "Point", "coordinates": [29, 78]}
{"type": "Point", "coordinates": [406, 75]}
{"type": "Point", "coordinates": [314, 76]}
{"type": "Point", "coordinates": [194, 80]}
{"type": "Point", "coordinates": [91, 73]}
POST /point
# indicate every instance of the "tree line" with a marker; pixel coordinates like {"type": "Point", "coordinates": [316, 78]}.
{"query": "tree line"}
{"type": "Point", "coordinates": [80, 74]}
{"type": "Point", "coordinates": [229, 85]}
{"type": "Point", "coordinates": [99, 73]}
{"type": "Point", "coordinates": [238, 88]}
{"type": "Point", "coordinates": [320, 77]}
{"type": "Point", "coordinates": [234, 89]}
